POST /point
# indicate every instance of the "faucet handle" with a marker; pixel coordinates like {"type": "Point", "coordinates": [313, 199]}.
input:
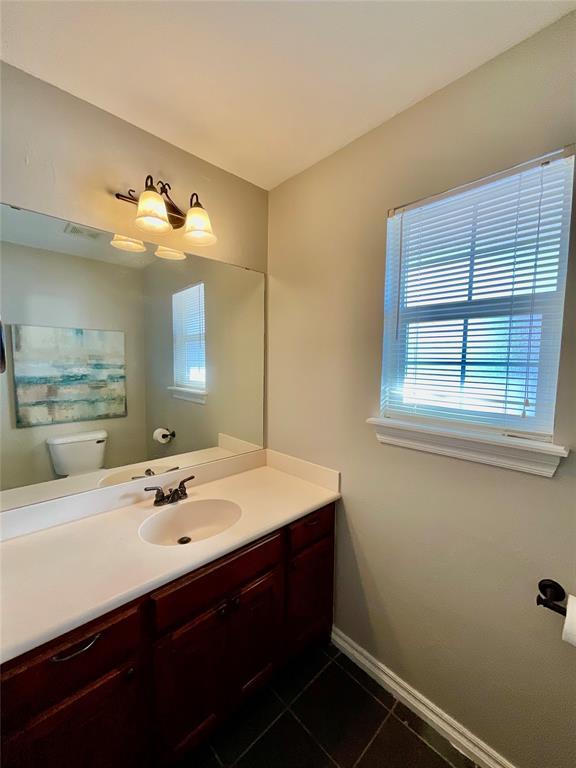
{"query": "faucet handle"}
{"type": "Point", "coordinates": [182, 486]}
{"type": "Point", "coordinates": [160, 497]}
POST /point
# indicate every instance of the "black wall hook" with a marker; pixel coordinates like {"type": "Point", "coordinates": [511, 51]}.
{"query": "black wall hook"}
{"type": "Point", "coordinates": [551, 593]}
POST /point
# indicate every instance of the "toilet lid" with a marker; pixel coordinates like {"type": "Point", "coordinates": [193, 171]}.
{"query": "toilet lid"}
{"type": "Point", "coordinates": [80, 437]}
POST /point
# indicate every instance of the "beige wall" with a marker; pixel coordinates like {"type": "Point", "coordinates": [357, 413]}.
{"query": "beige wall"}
{"type": "Point", "coordinates": [438, 559]}
{"type": "Point", "coordinates": [39, 287]}
{"type": "Point", "coordinates": [66, 158]}
{"type": "Point", "coordinates": [234, 310]}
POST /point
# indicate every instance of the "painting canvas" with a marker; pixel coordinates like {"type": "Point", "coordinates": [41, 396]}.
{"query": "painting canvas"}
{"type": "Point", "coordinates": [67, 374]}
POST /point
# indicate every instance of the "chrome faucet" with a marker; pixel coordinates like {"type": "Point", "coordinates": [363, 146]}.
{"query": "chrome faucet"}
{"type": "Point", "coordinates": [172, 495]}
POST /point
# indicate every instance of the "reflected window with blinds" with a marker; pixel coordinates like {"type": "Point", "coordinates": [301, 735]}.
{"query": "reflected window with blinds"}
{"type": "Point", "coordinates": [189, 329]}
{"type": "Point", "coordinates": [474, 300]}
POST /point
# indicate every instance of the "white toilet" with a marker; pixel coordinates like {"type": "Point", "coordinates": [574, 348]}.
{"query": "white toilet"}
{"type": "Point", "coordinates": [76, 454]}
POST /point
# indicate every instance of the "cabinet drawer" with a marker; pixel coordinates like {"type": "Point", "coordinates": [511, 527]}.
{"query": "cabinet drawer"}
{"type": "Point", "coordinates": [181, 601]}
{"type": "Point", "coordinates": [311, 528]}
{"type": "Point", "coordinates": [101, 725]}
{"type": "Point", "coordinates": [61, 668]}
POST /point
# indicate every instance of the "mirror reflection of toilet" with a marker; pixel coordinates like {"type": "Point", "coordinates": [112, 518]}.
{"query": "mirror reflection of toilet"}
{"type": "Point", "coordinates": [79, 453]}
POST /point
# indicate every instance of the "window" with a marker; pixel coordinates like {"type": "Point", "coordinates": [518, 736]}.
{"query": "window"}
{"type": "Point", "coordinates": [188, 322]}
{"type": "Point", "coordinates": [474, 301]}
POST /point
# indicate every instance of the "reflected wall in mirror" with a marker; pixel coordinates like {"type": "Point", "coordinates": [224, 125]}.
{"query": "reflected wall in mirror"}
{"type": "Point", "coordinates": [120, 363]}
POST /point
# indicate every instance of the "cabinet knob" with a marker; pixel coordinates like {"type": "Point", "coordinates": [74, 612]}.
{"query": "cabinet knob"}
{"type": "Point", "coordinates": [236, 601]}
{"type": "Point", "coordinates": [223, 610]}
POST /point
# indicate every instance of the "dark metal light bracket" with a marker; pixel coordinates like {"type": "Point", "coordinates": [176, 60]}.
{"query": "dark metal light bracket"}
{"type": "Point", "coordinates": [176, 216]}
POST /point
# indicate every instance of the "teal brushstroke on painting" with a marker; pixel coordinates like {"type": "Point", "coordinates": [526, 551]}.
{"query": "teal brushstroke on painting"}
{"type": "Point", "coordinates": [67, 380]}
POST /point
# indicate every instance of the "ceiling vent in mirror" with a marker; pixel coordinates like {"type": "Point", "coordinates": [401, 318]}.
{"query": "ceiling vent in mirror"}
{"type": "Point", "coordinates": [77, 231]}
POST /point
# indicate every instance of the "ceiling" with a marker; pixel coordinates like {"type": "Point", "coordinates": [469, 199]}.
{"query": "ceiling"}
{"type": "Point", "coordinates": [36, 230]}
{"type": "Point", "coordinates": [261, 89]}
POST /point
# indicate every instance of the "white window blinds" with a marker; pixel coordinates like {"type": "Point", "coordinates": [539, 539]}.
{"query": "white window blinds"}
{"type": "Point", "coordinates": [474, 300]}
{"type": "Point", "coordinates": [189, 338]}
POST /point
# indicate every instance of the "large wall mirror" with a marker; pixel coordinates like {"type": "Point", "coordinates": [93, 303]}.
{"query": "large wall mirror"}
{"type": "Point", "coordinates": [120, 363]}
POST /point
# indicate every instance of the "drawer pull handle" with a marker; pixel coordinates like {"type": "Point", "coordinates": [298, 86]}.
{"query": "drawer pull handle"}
{"type": "Point", "coordinates": [236, 601]}
{"type": "Point", "coordinates": [84, 648]}
{"type": "Point", "coordinates": [310, 523]}
{"type": "Point", "coordinates": [223, 610]}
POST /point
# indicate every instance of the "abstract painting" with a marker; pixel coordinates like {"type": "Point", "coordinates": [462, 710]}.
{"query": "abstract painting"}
{"type": "Point", "coordinates": [67, 374]}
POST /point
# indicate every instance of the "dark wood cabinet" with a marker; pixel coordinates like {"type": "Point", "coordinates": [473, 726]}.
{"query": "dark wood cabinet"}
{"type": "Point", "coordinates": [99, 727]}
{"type": "Point", "coordinates": [40, 679]}
{"type": "Point", "coordinates": [255, 632]}
{"type": "Point", "coordinates": [189, 673]}
{"type": "Point", "coordinates": [143, 684]}
{"type": "Point", "coordinates": [309, 585]}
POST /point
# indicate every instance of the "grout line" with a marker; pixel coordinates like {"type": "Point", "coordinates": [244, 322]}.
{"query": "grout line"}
{"type": "Point", "coordinates": [309, 683]}
{"type": "Point", "coordinates": [260, 735]}
{"type": "Point", "coordinates": [314, 739]}
{"type": "Point", "coordinates": [216, 756]}
{"type": "Point", "coordinates": [376, 732]}
{"type": "Point", "coordinates": [285, 708]}
{"type": "Point", "coordinates": [368, 691]}
{"type": "Point", "coordinates": [431, 746]}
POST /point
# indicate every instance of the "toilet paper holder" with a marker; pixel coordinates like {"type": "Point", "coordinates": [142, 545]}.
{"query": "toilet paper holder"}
{"type": "Point", "coordinates": [551, 593]}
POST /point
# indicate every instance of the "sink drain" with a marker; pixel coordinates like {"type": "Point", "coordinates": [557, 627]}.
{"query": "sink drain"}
{"type": "Point", "coordinates": [184, 540]}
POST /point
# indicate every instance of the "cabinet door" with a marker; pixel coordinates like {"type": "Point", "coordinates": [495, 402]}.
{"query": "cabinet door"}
{"type": "Point", "coordinates": [310, 588]}
{"type": "Point", "coordinates": [188, 670]}
{"type": "Point", "coordinates": [102, 726]}
{"type": "Point", "coordinates": [254, 630]}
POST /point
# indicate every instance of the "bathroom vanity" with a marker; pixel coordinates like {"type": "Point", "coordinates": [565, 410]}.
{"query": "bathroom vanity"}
{"type": "Point", "coordinates": [144, 683]}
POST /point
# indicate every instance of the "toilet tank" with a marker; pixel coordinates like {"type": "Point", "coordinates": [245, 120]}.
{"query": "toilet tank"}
{"type": "Point", "coordinates": [79, 453]}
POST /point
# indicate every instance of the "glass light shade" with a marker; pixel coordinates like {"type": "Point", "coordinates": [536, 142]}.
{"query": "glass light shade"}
{"type": "Point", "coordinates": [151, 215]}
{"type": "Point", "coordinates": [124, 243]}
{"type": "Point", "coordinates": [169, 253]}
{"type": "Point", "coordinates": [197, 228]}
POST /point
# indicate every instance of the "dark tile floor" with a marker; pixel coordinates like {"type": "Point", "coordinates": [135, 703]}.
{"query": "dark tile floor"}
{"type": "Point", "coordinates": [322, 711]}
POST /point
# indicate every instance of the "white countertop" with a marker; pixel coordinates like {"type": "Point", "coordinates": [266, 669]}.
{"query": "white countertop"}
{"type": "Point", "coordinates": [60, 578]}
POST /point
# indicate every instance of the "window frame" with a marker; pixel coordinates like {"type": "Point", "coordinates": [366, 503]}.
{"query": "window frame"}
{"type": "Point", "coordinates": [193, 393]}
{"type": "Point", "coordinates": [440, 430]}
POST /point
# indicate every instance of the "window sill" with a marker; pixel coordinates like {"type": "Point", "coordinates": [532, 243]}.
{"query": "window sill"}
{"type": "Point", "coordinates": [521, 454]}
{"type": "Point", "coordinates": [193, 395]}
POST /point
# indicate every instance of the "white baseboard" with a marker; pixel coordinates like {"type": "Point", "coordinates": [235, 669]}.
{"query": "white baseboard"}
{"type": "Point", "coordinates": [462, 739]}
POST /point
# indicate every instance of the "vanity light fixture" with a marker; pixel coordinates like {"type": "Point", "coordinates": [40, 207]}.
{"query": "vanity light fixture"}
{"type": "Point", "coordinates": [169, 253]}
{"type": "Point", "coordinates": [124, 243]}
{"type": "Point", "coordinates": [158, 213]}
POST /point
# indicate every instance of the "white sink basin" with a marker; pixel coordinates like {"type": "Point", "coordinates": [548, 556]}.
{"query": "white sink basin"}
{"type": "Point", "coordinates": [129, 473]}
{"type": "Point", "coordinates": [189, 521]}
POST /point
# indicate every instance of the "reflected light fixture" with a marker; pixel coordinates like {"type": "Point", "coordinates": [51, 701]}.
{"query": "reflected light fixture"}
{"type": "Point", "coordinates": [124, 243]}
{"type": "Point", "coordinates": [198, 228]}
{"type": "Point", "coordinates": [169, 253]}
{"type": "Point", "coordinates": [158, 213]}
